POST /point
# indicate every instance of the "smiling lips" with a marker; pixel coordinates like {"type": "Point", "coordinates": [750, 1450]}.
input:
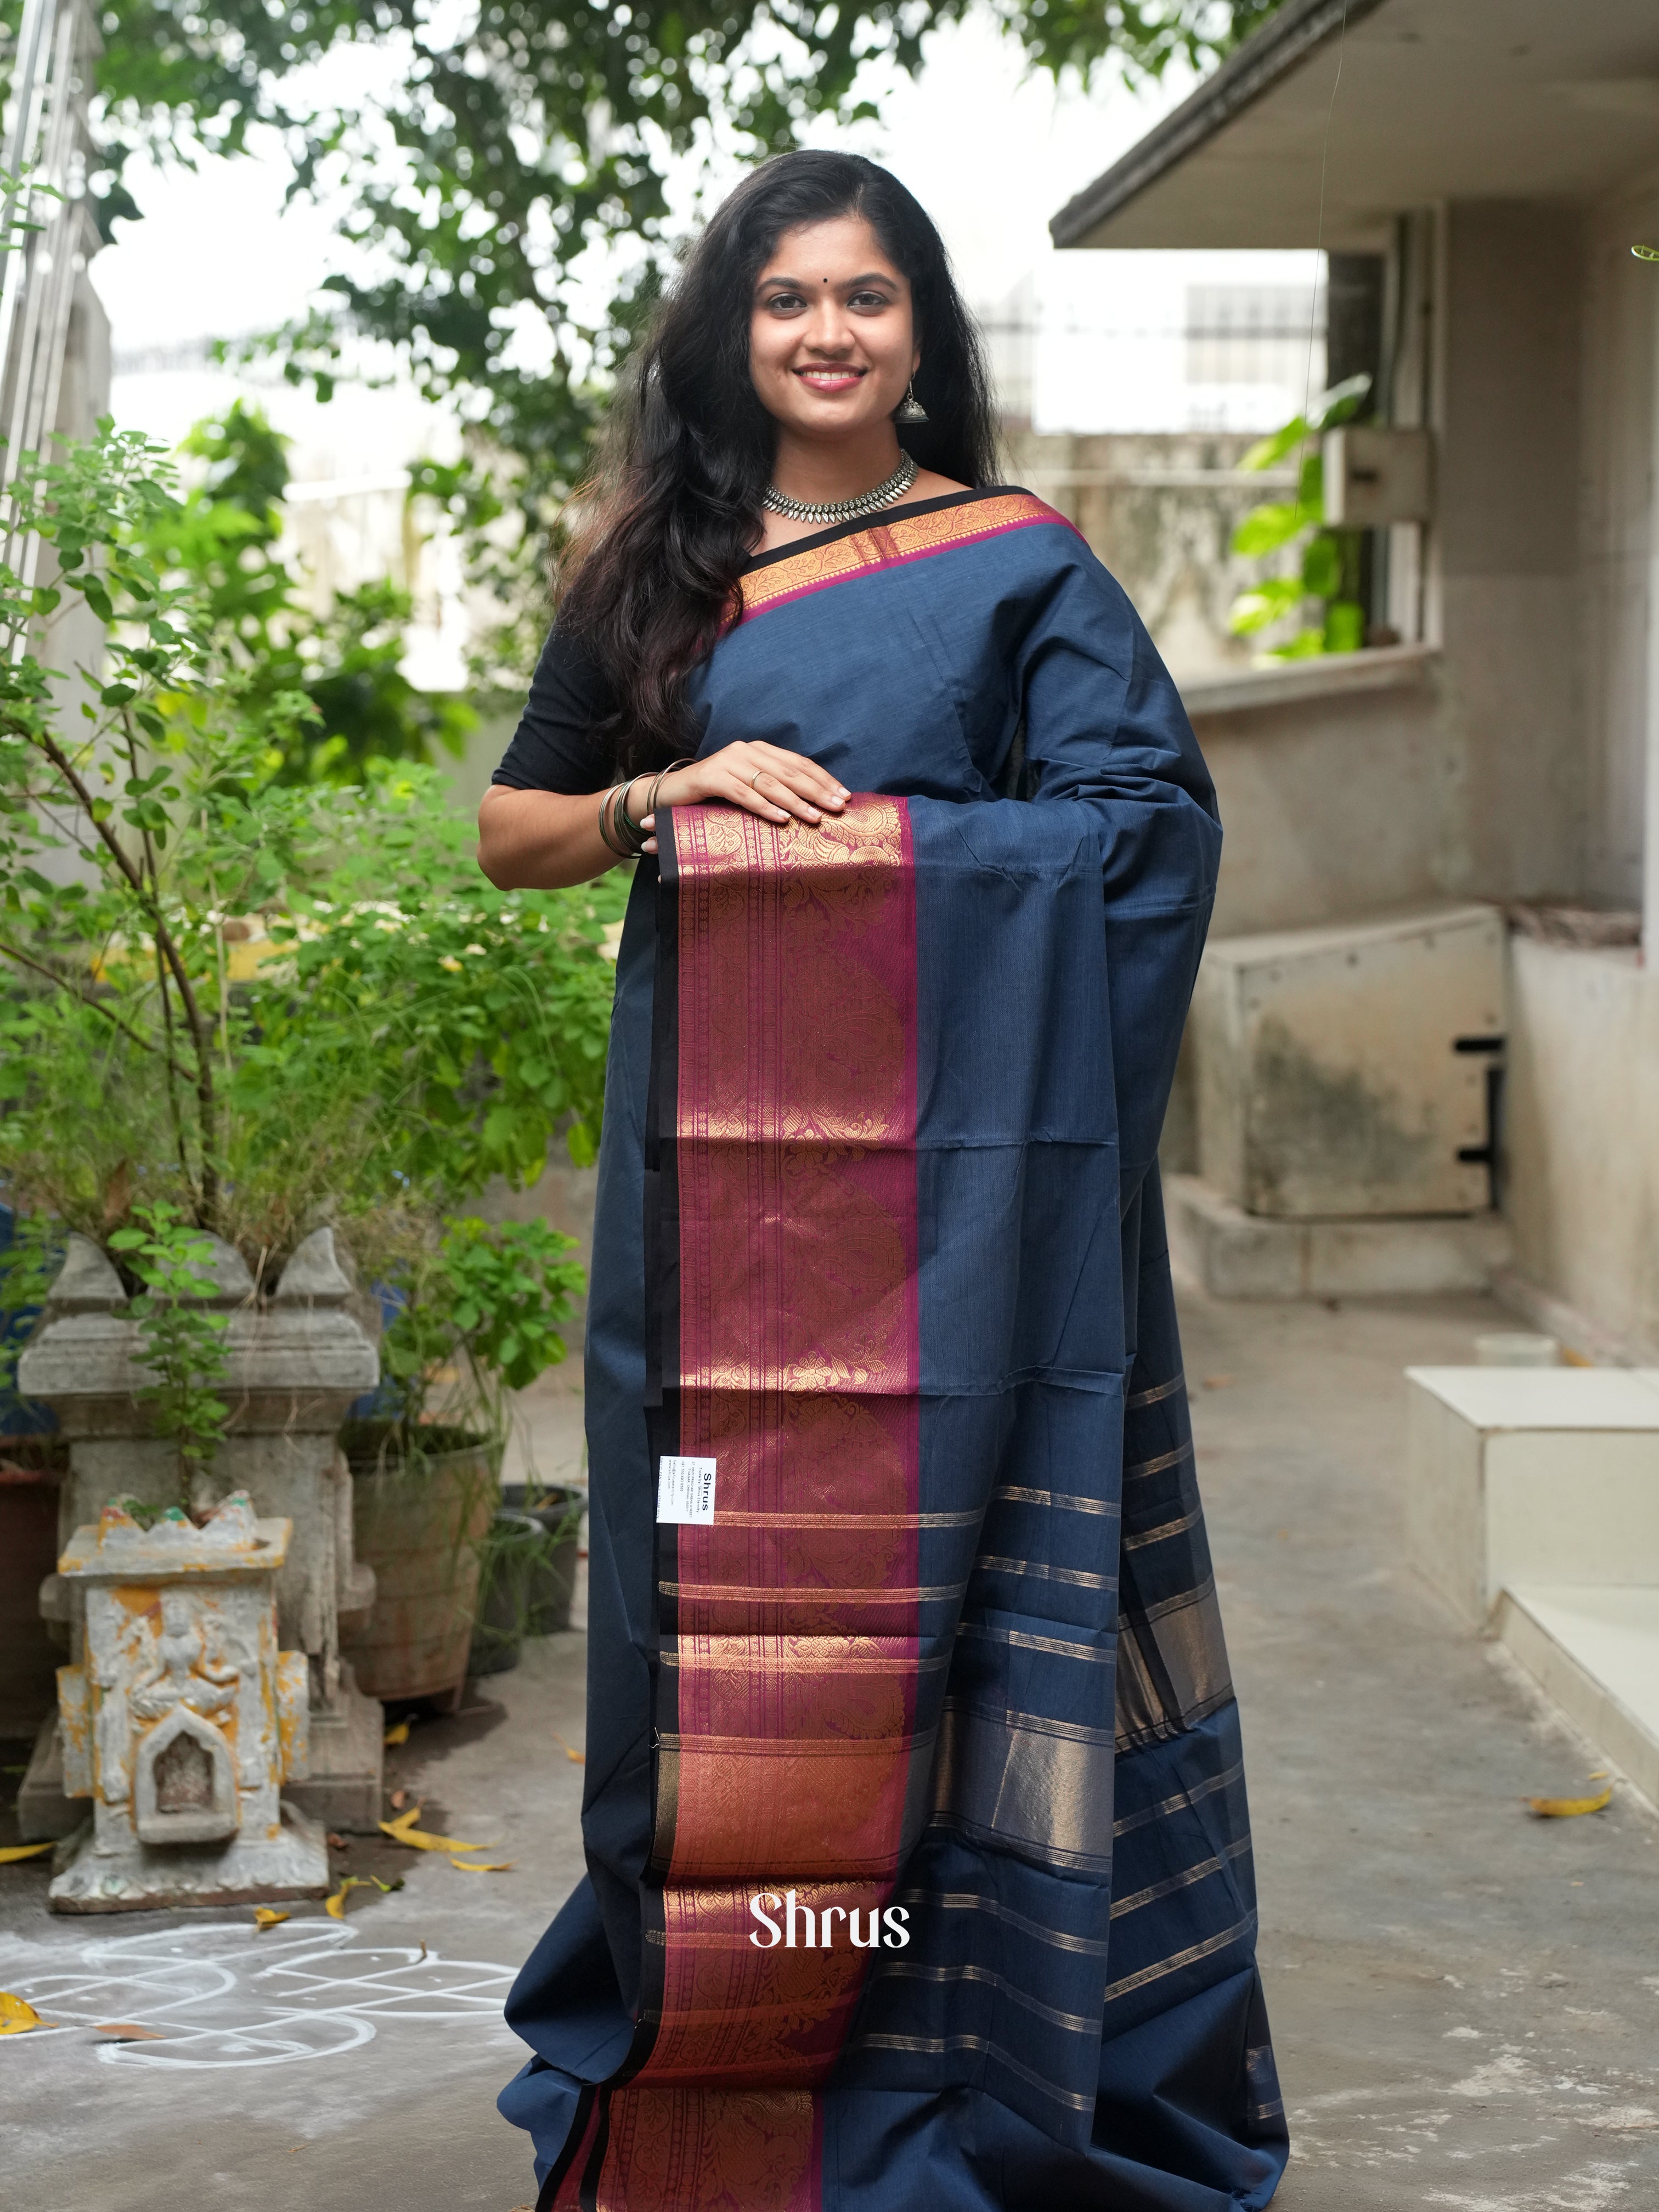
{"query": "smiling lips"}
{"type": "Point", "coordinates": [830, 380]}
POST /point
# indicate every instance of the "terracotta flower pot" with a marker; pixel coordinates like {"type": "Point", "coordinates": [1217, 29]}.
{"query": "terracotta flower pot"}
{"type": "Point", "coordinates": [422, 1525]}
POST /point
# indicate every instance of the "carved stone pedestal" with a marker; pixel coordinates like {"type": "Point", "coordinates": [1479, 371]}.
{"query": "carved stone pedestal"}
{"type": "Point", "coordinates": [185, 1719]}
{"type": "Point", "coordinates": [298, 1358]}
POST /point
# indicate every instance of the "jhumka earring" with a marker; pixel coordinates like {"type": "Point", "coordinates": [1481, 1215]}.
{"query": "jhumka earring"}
{"type": "Point", "coordinates": [911, 409]}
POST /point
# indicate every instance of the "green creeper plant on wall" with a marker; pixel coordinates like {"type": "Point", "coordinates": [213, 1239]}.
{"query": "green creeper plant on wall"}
{"type": "Point", "coordinates": [1327, 571]}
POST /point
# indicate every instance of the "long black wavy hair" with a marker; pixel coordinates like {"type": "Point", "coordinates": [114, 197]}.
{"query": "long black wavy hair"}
{"type": "Point", "coordinates": [648, 580]}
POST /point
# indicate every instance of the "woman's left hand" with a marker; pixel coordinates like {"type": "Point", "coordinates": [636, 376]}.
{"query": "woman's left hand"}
{"type": "Point", "coordinates": [765, 780]}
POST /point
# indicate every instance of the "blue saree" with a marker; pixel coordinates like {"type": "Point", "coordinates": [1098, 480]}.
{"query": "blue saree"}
{"type": "Point", "coordinates": [919, 1862]}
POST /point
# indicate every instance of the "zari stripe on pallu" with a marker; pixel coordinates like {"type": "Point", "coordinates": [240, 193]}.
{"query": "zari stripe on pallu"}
{"type": "Point", "coordinates": [786, 1680]}
{"type": "Point", "coordinates": [889, 545]}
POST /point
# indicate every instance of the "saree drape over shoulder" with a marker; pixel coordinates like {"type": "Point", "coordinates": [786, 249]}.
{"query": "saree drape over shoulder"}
{"type": "Point", "coordinates": [918, 1861]}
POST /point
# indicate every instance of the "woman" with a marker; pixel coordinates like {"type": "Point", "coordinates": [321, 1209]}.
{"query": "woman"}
{"type": "Point", "coordinates": [918, 1860]}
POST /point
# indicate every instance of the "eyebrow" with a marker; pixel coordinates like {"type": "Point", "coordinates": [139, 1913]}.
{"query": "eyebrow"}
{"type": "Point", "coordinates": [870, 276]}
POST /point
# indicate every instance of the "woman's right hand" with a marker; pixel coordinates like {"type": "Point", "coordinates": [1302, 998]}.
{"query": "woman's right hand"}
{"type": "Point", "coordinates": [765, 780]}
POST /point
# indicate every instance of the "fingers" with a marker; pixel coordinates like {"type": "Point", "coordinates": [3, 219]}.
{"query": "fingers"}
{"type": "Point", "coordinates": [767, 793]}
{"type": "Point", "coordinates": [801, 775]}
{"type": "Point", "coordinates": [765, 780]}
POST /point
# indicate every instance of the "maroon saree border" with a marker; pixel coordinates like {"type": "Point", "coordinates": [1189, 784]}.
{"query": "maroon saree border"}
{"type": "Point", "coordinates": [787, 1650]}
{"type": "Point", "coordinates": [822, 563]}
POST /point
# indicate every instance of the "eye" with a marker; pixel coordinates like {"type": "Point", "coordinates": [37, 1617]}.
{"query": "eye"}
{"type": "Point", "coordinates": [783, 303]}
{"type": "Point", "coordinates": [869, 299]}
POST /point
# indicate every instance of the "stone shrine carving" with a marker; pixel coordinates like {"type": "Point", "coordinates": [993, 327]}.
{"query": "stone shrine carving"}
{"type": "Point", "coordinates": [300, 1355]}
{"type": "Point", "coordinates": [185, 1719]}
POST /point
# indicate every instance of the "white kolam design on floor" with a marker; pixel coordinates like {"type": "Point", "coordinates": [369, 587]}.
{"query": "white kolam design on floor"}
{"type": "Point", "coordinates": [227, 1995]}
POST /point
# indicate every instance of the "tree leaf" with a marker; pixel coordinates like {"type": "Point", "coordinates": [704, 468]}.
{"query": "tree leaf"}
{"type": "Point", "coordinates": [405, 1831]}
{"type": "Point", "coordinates": [1265, 529]}
{"type": "Point", "coordinates": [17, 2017]}
{"type": "Point", "coordinates": [1568, 1808]}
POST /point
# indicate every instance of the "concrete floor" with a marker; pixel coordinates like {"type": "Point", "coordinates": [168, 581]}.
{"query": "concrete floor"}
{"type": "Point", "coordinates": [1466, 2001]}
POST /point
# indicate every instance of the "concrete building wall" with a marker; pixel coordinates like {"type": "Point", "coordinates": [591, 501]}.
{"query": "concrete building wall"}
{"type": "Point", "coordinates": [1513, 764]}
{"type": "Point", "coordinates": [1334, 804]}
{"type": "Point", "coordinates": [1621, 317]}
{"type": "Point", "coordinates": [1160, 509]}
{"type": "Point", "coordinates": [1506, 538]}
{"type": "Point", "coordinates": [1582, 1110]}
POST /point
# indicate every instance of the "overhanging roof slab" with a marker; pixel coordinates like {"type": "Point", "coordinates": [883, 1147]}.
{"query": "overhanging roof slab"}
{"type": "Point", "coordinates": [1418, 101]}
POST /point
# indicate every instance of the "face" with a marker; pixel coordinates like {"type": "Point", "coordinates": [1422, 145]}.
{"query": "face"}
{"type": "Point", "coordinates": [831, 338]}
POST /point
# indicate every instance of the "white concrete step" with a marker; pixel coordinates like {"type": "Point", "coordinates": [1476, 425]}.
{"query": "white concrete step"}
{"type": "Point", "coordinates": [1518, 1477]}
{"type": "Point", "coordinates": [1235, 1254]}
{"type": "Point", "coordinates": [1593, 1648]}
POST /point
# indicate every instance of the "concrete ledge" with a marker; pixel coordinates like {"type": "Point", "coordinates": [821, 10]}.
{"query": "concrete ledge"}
{"type": "Point", "coordinates": [1235, 1254]}
{"type": "Point", "coordinates": [1595, 1652]}
{"type": "Point", "coordinates": [1321, 676]}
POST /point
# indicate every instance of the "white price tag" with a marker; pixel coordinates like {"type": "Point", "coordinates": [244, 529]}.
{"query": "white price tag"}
{"type": "Point", "coordinates": [685, 1489]}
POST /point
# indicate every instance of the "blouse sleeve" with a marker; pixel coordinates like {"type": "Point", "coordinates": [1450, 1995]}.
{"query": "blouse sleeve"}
{"type": "Point", "coordinates": [555, 747]}
{"type": "Point", "coordinates": [1105, 729]}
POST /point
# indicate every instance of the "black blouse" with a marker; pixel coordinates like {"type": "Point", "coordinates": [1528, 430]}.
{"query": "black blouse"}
{"type": "Point", "coordinates": [555, 747]}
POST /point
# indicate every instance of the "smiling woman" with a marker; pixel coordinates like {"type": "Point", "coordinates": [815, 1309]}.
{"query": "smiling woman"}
{"type": "Point", "coordinates": [901, 1611]}
{"type": "Point", "coordinates": [833, 354]}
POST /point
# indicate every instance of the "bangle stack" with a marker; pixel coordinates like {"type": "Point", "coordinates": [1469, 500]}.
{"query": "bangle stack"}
{"type": "Point", "coordinates": [620, 833]}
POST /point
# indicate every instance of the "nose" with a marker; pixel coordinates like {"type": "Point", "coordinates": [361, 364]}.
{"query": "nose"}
{"type": "Point", "coordinates": [828, 331]}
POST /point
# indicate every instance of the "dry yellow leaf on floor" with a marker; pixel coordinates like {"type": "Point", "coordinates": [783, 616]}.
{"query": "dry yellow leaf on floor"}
{"type": "Point", "coordinates": [403, 1820]}
{"type": "Point", "coordinates": [126, 2031]}
{"type": "Point", "coordinates": [17, 2017]}
{"type": "Point", "coordinates": [22, 1851]}
{"type": "Point", "coordinates": [576, 1758]}
{"type": "Point", "coordinates": [335, 1906]}
{"type": "Point", "coordinates": [265, 1918]}
{"type": "Point", "coordinates": [482, 1866]}
{"type": "Point", "coordinates": [1567, 1809]}
{"type": "Point", "coordinates": [399, 1734]}
{"type": "Point", "coordinates": [418, 1841]}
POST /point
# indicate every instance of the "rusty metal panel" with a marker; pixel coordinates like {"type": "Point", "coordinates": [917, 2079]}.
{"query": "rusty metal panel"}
{"type": "Point", "coordinates": [1344, 1072]}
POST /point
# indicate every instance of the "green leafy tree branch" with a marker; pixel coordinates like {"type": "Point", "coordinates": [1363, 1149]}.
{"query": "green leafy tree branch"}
{"type": "Point", "coordinates": [521, 152]}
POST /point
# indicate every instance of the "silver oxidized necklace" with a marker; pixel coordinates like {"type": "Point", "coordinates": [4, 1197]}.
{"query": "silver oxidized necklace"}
{"type": "Point", "coordinates": [843, 510]}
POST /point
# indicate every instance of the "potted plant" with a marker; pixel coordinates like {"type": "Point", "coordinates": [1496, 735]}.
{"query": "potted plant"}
{"type": "Point", "coordinates": [241, 1002]}
{"type": "Point", "coordinates": [475, 1315]}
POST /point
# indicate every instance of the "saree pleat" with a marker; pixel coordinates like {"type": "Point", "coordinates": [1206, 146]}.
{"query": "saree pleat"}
{"type": "Point", "coordinates": [919, 1853]}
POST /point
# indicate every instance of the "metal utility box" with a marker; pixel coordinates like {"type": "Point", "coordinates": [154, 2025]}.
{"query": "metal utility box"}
{"type": "Point", "coordinates": [1375, 475]}
{"type": "Point", "coordinates": [1347, 1071]}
